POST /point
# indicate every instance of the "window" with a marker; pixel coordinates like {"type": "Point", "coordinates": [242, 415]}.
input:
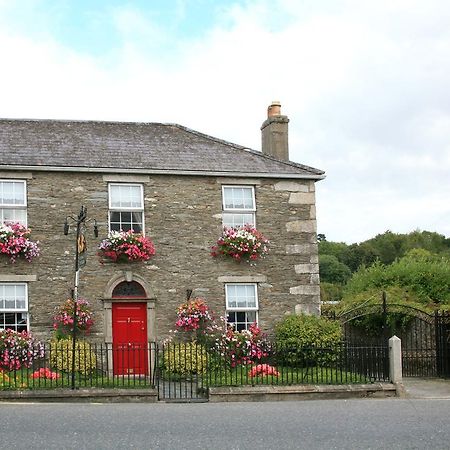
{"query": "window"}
{"type": "Point", "coordinates": [242, 305]}
{"type": "Point", "coordinates": [13, 306]}
{"type": "Point", "coordinates": [238, 206]}
{"type": "Point", "coordinates": [126, 207]}
{"type": "Point", "coordinates": [13, 203]}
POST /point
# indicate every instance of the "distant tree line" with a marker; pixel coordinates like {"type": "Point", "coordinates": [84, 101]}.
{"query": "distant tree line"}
{"type": "Point", "coordinates": [413, 268]}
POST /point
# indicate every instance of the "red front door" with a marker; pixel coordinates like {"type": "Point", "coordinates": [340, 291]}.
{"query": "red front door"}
{"type": "Point", "coordinates": [130, 338]}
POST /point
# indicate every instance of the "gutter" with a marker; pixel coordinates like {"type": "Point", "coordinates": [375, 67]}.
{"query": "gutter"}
{"type": "Point", "coordinates": [161, 172]}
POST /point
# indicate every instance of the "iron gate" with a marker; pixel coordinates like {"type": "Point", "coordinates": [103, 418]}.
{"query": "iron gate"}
{"type": "Point", "coordinates": [425, 337]}
{"type": "Point", "coordinates": [181, 372]}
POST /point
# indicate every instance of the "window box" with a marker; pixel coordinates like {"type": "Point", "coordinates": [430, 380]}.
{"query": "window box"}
{"type": "Point", "coordinates": [126, 246]}
{"type": "Point", "coordinates": [15, 242]}
{"type": "Point", "coordinates": [241, 243]}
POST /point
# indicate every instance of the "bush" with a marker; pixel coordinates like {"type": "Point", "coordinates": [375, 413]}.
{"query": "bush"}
{"type": "Point", "coordinates": [185, 358]}
{"type": "Point", "coordinates": [61, 356]}
{"type": "Point", "coordinates": [308, 340]}
{"type": "Point", "coordinates": [330, 292]}
{"type": "Point", "coordinates": [427, 277]}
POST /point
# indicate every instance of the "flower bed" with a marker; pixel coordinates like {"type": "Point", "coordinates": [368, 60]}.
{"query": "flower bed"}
{"type": "Point", "coordinates": [125, 246]}
{"type": "Point", "coordinates": [245, 243]}
{"type": "Point", "coordinates": [15, 242]}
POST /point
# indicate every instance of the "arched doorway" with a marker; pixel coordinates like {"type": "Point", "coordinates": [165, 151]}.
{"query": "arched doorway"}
{"type": "Point", "coordinates": [130, 324]}
{"type": "Point", "coordinates": [129, 329]}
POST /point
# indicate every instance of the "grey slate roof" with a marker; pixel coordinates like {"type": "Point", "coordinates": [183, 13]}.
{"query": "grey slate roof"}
{"type": "Point", "coordinates": [137, 147]}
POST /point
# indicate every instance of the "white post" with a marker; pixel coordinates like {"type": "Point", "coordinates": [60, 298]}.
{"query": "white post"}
{"type": "Point", "coordinates": [395, 359]}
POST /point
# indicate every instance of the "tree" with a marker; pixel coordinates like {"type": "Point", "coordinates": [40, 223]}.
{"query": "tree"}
{"type": "Point", "coordinates": [332, 270]}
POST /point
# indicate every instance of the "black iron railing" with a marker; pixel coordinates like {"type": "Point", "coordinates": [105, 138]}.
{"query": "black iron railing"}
{"type": "Point", "coordinates": [96, 365]}
{"type": "Point", "coordinates": [187, 369]}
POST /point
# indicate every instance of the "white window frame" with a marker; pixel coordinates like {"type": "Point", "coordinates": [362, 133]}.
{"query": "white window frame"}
{"type": "Point", "coordinates": [237, 211]}
{"type": "Point", "coordinates": [240, 308]}
{"type": "Point", "coordinates": [12, 206]}
{"type": "Point", "coordinates": [16, 310]}
{"type": "Point", "coordinates": [128, 209]}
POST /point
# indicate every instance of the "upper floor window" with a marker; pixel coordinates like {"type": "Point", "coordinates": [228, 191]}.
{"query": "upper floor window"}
{"type": "Point", "coordinates": [241, 305]}
{"type": "Point", "coordinates": [13, 201]}
{"type": "Point", "coordinates": [14, 306]}
{"type": "Point", "coordinates": [126, 207]}
{"type": "Point", "coordinates": [239, 206]}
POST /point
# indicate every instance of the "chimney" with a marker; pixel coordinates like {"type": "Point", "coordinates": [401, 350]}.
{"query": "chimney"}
{"type": "Point", "coordinates": [274, 133]}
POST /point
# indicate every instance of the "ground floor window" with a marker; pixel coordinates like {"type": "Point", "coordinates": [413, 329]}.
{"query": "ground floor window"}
{"type": "Point", "coordinates": [241, 305]}
{"type": "Point", "coordinates": [14, 306]}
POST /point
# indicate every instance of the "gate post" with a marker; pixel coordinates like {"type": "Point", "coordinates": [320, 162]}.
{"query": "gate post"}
{"type": "Point", "coordinates": [395, 359]}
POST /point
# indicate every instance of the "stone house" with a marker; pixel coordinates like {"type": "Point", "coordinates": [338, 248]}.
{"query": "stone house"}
{"type": "Point", "coordinates": [179, 187]}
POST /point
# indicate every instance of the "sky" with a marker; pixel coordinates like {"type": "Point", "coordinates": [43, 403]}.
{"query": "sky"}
{"type": "Point", "coordinates": [365, 84]}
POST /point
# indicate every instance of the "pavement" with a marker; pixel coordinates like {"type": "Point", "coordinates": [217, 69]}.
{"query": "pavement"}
{"type": "Point", "coordinates": [431, 388]}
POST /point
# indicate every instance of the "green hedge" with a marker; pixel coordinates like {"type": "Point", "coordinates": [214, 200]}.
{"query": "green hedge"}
{"type": "Point", "coordinates": [308, 340]}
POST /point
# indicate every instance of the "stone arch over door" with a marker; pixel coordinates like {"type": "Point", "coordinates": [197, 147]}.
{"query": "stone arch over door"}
{"type": "Point", "coordinates": [129, 287]}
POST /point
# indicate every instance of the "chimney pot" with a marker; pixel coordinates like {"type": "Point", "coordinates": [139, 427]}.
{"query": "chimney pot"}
{"type": "Point", "coordinates": [274, 109]}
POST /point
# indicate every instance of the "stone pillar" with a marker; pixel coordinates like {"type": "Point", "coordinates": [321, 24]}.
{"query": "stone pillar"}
{"type": "Point", "coordinates": [395, 359]}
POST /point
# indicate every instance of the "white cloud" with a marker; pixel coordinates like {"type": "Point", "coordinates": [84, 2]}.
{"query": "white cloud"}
{"type": "Point", "coordinates": [363, 82]}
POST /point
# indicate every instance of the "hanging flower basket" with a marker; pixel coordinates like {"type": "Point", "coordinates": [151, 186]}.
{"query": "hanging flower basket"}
{"type": "Point", "coordinates": [126, 246]}
{"type": "Point", "coordinates": [245, 243]}
{"type": "Point", "coordinates": [15, 242]}
{"type": "Point", "coordinates": [193, 315]}
{"type": "Point", "coordinates": [63, 319]}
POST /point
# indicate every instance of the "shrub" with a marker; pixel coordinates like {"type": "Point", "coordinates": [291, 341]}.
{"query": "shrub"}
{"type": "Point", "coordinates": [330, 292]}
{"type": "Point", "coordinates": [18, 349]}
{"type": "Point", "coordinates": [185, 358]}
{"type": "Point", "coordinates": [428, 277]}
{"type": "Point", "coordinates": [307, 340]}
{"type": "Point", "coordinates": [61, 356]}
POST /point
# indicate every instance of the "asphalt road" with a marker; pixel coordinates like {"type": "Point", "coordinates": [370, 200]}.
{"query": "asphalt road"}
{"type": "Point", "coordinates": [323, 424]}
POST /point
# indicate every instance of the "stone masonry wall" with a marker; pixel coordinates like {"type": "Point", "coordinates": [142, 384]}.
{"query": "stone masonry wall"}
{"type": "Point", "coordinates": [183, 218]}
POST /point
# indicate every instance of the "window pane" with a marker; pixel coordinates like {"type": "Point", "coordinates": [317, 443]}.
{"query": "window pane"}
{"type": "Point", "coordinates": [238, 220]}
{"type": "Point", "coordinates": [238, 197]}
{"type": "Point", "coordinates": [241, 296]}
{"type": "Point", "coordinates": [241, 320]}
{"type": "Point", "coordinates": [14, 321]}
{"type": "Point", "coordinates": [12, 193]}
{"type": "Point", "coordinates": [125, 221]}
{"type": "Point", "coordinates": [13, 215]}
{"type": "Point", "coordinates": [13, 297]}
{"type": "Point", "coordinates": [125, 196]}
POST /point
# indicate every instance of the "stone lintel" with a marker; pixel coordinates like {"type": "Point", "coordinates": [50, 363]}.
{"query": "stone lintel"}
{"type": "Point", "coordinates": [17, 278]}
{"type": "Point", "coordinates": [242, 279]}
{"type": "Point", "coordinates": [16, 175]}
{"type": "Point", "coordinates": [120, 178]}
{"type": "Point", "coordinates": [250, 181]}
